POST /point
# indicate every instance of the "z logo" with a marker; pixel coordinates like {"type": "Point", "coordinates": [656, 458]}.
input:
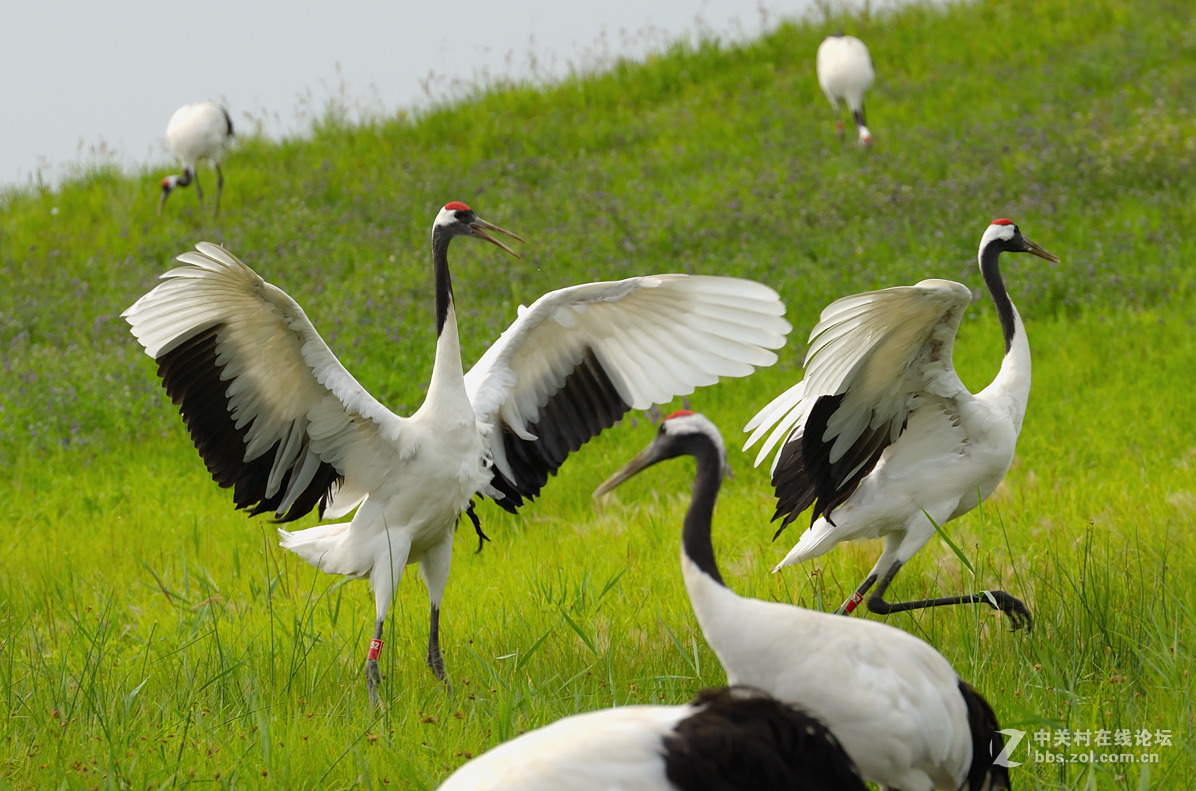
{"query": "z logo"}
{"type": "Point", "coordinates": [1015, 737]}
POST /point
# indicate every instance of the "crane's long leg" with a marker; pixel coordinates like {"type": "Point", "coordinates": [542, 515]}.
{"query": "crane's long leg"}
{"type": "Point", "coordinates": [853, 601]}
{"type": "Point", "coordinates": [373, 676]}
{"type": "Point", "coordinates": [219, 188]}
{"type": "Point", "coordinates": [1018, 614]}
{"type": "Point", "coordinates": [384, 578]}
{"type": "Point", "coordinates": [434, 568]}
{"type": "Point", "coordinates": [858, 116]}
{"type": "Point", "coordinates": [198, 189]}
{"type": "Point", "coordinates": [435, 658]}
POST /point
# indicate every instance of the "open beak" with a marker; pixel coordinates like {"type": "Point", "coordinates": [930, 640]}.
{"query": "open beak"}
{"type": "Point", "coordinates": [480, 227]}
{"type": "Point", "coordinates": [1037, 249]}
{"type": "Point", "coordinates": [642, 461]}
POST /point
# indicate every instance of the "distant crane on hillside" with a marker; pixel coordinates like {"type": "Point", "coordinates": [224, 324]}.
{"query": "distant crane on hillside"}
{"type": "Point", "coordinates": [845, 73]}
{"type": "Point", "coordinates": [197, 131]}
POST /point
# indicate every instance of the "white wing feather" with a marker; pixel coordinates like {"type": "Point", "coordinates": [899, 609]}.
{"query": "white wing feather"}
{"type": "Point", "coordinates": [656, 337]}
{"type": "Point", "coordinates": [881, 349]}
{"type": "Point", "coordinates": [284, 383]}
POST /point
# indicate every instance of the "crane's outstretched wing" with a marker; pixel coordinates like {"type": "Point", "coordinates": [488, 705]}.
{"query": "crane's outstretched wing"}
{"type": "Point", "coordinates": [872, 357]}
{"type": "Point", "coordinates": [580, 357]}
{"type": "Point", "coordinates": [270, 409]}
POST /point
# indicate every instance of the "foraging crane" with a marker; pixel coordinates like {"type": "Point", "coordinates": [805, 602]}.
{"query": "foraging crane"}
{"type": "Point", "coordinates": [197, 131]}
{"type": "Point", "coordinates": [726, 738]}
{"type": "Point", "coordinates": [276, 416]}
{"type": "Point", "coordinates": [896, 705]}
{"type": "Point", "coordinates": [845, 72]}
{"type": "Point", "coordinates": [883, 438]}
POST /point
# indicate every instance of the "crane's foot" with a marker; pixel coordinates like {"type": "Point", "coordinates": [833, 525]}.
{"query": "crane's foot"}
{"type": "Point", "coordinates": [436, 663]}
{"type": "Point", "coordinates": [1019, 614]}
{"type": "Point", "coordinates": [373, 677]}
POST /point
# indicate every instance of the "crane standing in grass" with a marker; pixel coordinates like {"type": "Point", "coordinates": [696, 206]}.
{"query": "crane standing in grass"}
{"type": "Point", "coordinates": [845, 73]}
{"type": "Point", "coordinates": [733, 738]}
{"type": "Point", "coordinates": [883, 438]}
{"type": "Point", "coordinates": [197, 131]}
{"type": "Point", "coordinates": [276, 416]}
{"type": "Point", "coordinates": [895, 704]}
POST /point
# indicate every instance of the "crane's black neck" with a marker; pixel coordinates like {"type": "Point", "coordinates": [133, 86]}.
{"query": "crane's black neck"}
{"type": "Point", "coordinates": [444, 282]}
{"type": "Point", "coordinates": [695, 536]}
{"type": "Point", "coordinates": [990, 269]}
{"type": "Point", "coordinates": [184, 179]}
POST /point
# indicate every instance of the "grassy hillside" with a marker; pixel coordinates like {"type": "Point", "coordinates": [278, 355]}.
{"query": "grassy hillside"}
{"type": "Point", "coordinates": [151, 637]}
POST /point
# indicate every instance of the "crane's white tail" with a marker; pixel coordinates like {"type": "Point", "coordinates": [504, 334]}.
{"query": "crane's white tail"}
{"type": "Point", "coordinates": [818, 539]}
{"type": "Point", "coordinates": [326, 548]}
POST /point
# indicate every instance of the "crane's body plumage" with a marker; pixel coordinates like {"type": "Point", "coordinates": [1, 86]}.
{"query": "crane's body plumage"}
{"type": "Point", "coordinates": [844, 73]}
{"type": "Point", "coordinates": [896, 705]}
{"type": "Point", "coordinates": [889, 351]}
{"type": "Point", "coordinates": [881, 436]}
{"type": "Point", "coordinates": [603, 750]}
{"type": "Point", "coordinates": [892, 700]}
{"type": "Point", "coordinates": [279, 419]}
{"type": "Point", "coordinates": [726, 738]}
{"type": "Point", "coordinates": [199, 131]}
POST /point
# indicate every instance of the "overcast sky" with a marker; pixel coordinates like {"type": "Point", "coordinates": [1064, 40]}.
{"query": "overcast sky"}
{"type": "Point", "coordinates": [82, 77]}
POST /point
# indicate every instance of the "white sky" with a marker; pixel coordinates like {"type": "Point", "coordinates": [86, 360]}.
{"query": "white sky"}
{"type": "Point", "coordinates": [81, 77]}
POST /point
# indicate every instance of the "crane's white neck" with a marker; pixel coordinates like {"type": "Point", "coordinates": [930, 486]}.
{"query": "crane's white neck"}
{"type": "Point", "coordinates": [447, 384]}
{"type": "Point", "coordinates": [1010, 390]}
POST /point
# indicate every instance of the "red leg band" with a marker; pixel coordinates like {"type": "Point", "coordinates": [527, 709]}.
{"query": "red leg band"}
{"type": "Point", "coordinates": [375, 650]}
{"type": "Point", "coordinates": [853, 602]}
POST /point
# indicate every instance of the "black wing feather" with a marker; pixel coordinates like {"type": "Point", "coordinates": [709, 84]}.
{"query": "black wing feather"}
{"type": "Point", "coordinates": [805, 474]}
{"type": "Point", "coordinates": [192, 378]}
{"type": "Point", "coordinates": [747, 740]}
{"type": "Point", "coordinates": [987, 743]}
{"type": "Point", "coordinates": [587, 404]}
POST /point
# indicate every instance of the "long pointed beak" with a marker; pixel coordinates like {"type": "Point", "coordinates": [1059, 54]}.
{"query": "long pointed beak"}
{"type": "Point", "coordinates": [642, 461]}
{"type": "Point", "coordinates": [1037, 249]}
{"type": "Point", "coordinates": [162, 201]}
{"type": "Point", "coordinates": [480, 227]}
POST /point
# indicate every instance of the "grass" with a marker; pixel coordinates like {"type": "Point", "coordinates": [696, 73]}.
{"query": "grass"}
{"type": "Point", "coordinates": [151, 637]}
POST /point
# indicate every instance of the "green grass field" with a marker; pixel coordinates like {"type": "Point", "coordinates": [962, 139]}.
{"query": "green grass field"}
{"type": "Point", "coordinates": [151, 637]}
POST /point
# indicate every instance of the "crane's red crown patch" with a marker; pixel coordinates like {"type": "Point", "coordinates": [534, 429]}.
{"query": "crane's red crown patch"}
{"type": "Point", "coordinates": [457, 206]}
{"type": "Point", "coordinates": [1002, 221]}
{"type": "Point", "coordinates": [679, 413]}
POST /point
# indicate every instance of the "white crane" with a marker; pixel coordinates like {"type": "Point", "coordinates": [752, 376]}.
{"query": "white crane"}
{"type": "Point", "coordinates": [726, 738]}
{"type": "Point", "coordinates": [882, 437]}
{"type": "Point", "coordinates": [276, 416]}
{"type": "Point", "coordinates": [895, 704]}
{"type": "Point", "coordinates": [845, 73]}
{"type": "Point", "coordinates": [197, 131]}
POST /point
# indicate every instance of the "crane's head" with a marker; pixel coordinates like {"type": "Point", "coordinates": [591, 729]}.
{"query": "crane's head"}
{"type": "Point", "coordinates": [168, 184]}
{"type": "Point", "coordinates": [457, 219]}
{"type": "Point", "coordinates": [1006, 237]}
{"type": "Point", "coordinates": [680, 434]}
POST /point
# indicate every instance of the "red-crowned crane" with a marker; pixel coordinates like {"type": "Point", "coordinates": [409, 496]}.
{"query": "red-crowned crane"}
{"type": "Point", "coordinates": [883, 438]}
{"type": "Point", "coordinates": [734, 738]}
{"type": "Point", "coordinates": [895, 704]}
{"type": "Point", "coordinates": [197, 131]}
{"type": "Point", "coordinates": [845, 73]}
{"type": "Point", "coordinates": [276, 416]}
